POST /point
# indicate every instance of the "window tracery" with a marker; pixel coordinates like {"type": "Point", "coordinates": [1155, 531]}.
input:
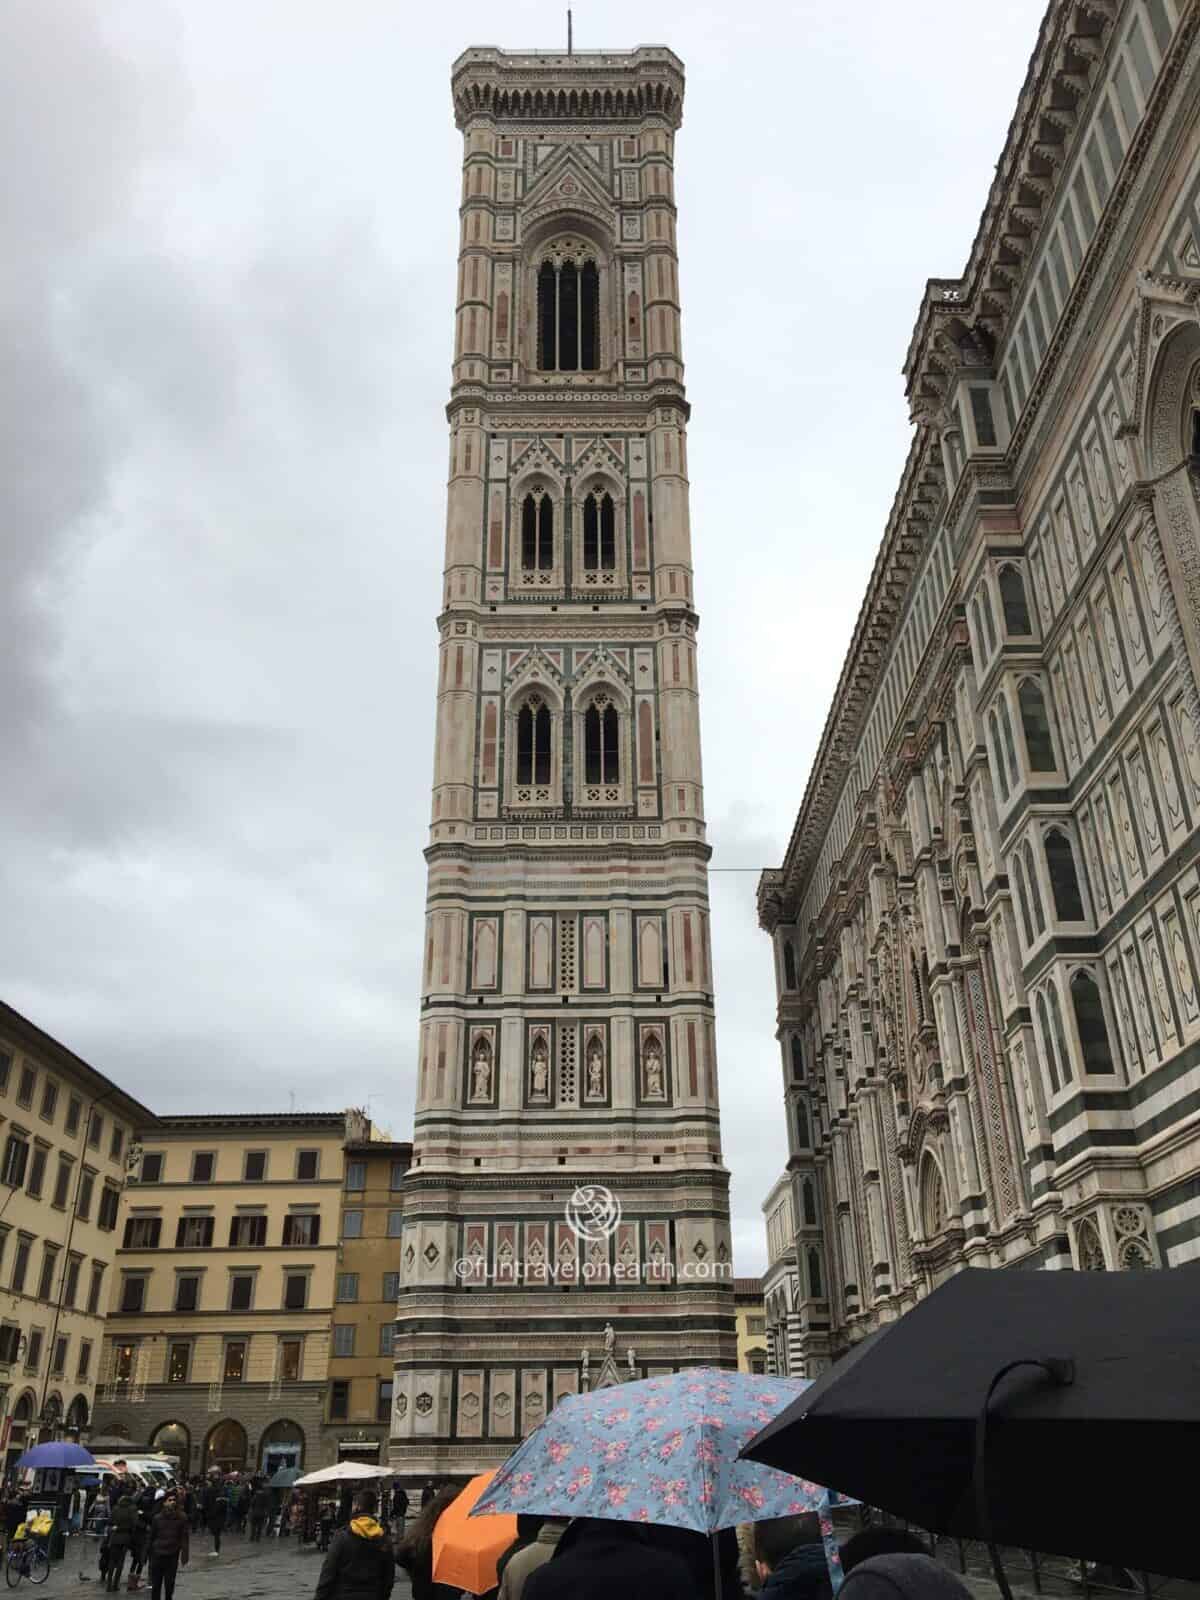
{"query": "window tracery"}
{"type": "Point", "coordinates": [568, 308]}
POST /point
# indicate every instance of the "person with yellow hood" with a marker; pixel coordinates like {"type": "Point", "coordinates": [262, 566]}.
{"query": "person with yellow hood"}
{"type": "Point", "coordinates": [360, 1563]}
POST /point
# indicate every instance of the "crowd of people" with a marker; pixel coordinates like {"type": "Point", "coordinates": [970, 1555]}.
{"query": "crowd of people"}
{"type": "Point", "coordinates": [593, 1559]}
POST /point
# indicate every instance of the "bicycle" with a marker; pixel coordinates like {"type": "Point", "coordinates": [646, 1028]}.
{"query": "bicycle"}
{"type": "Point", "coordinates": [26, 1559]}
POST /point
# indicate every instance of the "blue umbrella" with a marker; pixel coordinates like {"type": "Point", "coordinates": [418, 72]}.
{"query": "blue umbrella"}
{"type": "Point", "coordinates": [60, 1453]}
{"type": "Point", "coordinates": [662, 1450]}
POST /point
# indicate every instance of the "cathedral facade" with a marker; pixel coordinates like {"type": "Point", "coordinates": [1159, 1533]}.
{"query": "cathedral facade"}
{"type": "Point", "coordinates": [567, 1198]}
{"type": "Point", "coordinates": [986, 925]}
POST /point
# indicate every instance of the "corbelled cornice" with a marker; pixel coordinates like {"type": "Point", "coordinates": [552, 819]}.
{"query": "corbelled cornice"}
{"type": "Point", "coordinates": [962, 320]}
{"type": "Point", "coordinates": [554, 86]}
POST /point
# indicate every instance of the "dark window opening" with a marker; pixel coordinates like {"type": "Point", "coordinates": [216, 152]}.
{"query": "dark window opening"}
{"type": "Point", "coordinates": [1012, 598]}
{"type": "Point", "coordinates": [599, 533]}
{"type": "Point", "coordinates": [533, 744]}
{"type": "Point", "coordinates": [789, 965]}
{"type": "Point", "coordinates": [1064, 880]}
{"type": "Point", "coordinates": [981, 412]}
{"type": "Point", "coordinates": [1089, 1023]}
{"type": "Point", "coordinates": [187, 1293]}
{"type": "Point", "coordinates": [1035, 893]}
{"type": "Point", "coordinates": [537, 533]}
{"type": "Point", "coordinates": [601, 759]}
{"type": "Point", "coordinates": [797, 1058]}
{"type": "Point", "coordinates": [1036, 723]}
{"type": "Point", "coordinates": [568, 317]}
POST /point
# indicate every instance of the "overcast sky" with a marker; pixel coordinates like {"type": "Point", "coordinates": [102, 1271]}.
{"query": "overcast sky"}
{"type": "Point", "coordinates": [226, 308]}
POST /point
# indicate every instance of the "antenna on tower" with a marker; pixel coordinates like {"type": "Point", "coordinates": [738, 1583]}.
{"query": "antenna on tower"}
{"type": "Point", "coordinates": [570, 35]}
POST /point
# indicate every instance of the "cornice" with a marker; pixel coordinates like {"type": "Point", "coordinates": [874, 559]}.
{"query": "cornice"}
{"type": "Point", "coordinates": [590, 86]}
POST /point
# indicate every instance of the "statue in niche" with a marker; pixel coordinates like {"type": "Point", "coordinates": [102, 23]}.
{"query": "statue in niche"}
{"type": "Point", "coordinates": [539, 1070]}
{"type": "Point", "coordinates": [610, 1339]}
{"type": "Point", "coordinates": [595, 1069]}
{"type": "Point", "coordinates": [652, 1069]}
{"type": "Point", "coordinates": [481, 1071]}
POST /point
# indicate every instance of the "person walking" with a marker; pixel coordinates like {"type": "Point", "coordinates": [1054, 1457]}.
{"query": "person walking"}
{"type": "Point", "coordinates": [596, 1559]}
{"type": "Point", "coordinates": [428, 1492]}
{"type": "Point", "coordinates": [790, 1558]}
{"type": "Point", "coordinates": [169, 1546]}
{"type": "Point", "coordinates": [530, 1555]}
{"type": "Point", "coordinates": [415, 1553]}
{"type": "Point", "coordinates": [121, 1532]}
{"type": "Point", "coordinates": [216, 1512]}
{"type": "Point", "coordinates": [400, 1509]}
{"type": "Point", "coordinates": [360, 1563]}
{"type": "Point", "coordinates": [260, 1506]}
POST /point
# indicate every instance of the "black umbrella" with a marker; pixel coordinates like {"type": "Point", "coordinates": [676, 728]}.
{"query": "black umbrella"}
{"type": "Point", "coordinates": [1090, 1386]}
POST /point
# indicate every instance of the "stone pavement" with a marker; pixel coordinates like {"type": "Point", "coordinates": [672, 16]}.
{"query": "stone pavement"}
{"type": "Point", "coordinates": [275, 1569]}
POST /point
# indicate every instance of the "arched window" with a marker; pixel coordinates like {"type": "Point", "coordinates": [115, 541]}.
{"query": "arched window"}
{"type": "Point", "coordinates": [810, 1203]}
{"type": "Point", "coordinates": [815, 1286]}
{"type": "Point", "coordinates": [1036, 725]}
{"type": "Point", "coordinates": [1048, 1044]}
{"type": "Point", "coordinates": [933, 1200]}
{"type": "Point", "coordinates": [988, 621]}
{"type": "Point", "coordinates": [1012, 598]}
{"type": "Point", "coordinates": [568, 316]}
{"type": "Point", "coordinates": [1089, 1248]}
{"type": "Point", "coordinates": [1001, 774]}
{"type": "Point", "coordinates": [1010, 750]}
{"type": "Point", "coordinates": [1064, 880]}
{"type": "Point", "coordinates": [599, 533]}
{"type": "Point", "coordinates": [537, 532]}
{"type": "Point", "coordinates": [1022, 899]}
{"type": "Point", "coordinates": [797, 1058]}
{"type": "Point", "coordinates": [602, 762]}
{"type": "Point", "coordinates": [981, 644]}
{"type": "Point", "coordinates": [789, 965]}
{"type": "Point", "coordinates": [173, 1439]}
{"type": "Point", "coordinates": [533, 742]}
{"type": "Point", "coordinates": [225, 1447]}
{"type": "Point", "coordinates": [1035, 892]}
{"type": "Point", "coordinates": [802, 1134]}
{"type": "Point", "coordinates": [1089, 1023]}
{"type": "Point", "coordinates": [1060, 1038]}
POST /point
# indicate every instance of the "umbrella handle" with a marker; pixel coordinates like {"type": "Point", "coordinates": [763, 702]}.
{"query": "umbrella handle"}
{"type": "Point", "coordinates": [1060, 1371]}
{"type": "Point", "coordinates": [716, 1555]}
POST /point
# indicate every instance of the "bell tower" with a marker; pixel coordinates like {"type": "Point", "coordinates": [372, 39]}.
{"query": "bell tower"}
{"type": "Point", "coordinates": [567, 1170]}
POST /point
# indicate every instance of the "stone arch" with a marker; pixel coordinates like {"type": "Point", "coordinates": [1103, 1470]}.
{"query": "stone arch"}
{"type": "Point", "coordinates": [174, 1439]}
{"type": "Point", "coordinates": [1089, 1251]}
{"type": "Point", "coordinates": [78, 1412]}
{"type": "Point", "coordinates": [934, 1211]}
{"type": "Point", "coordinates": [225, 1446]}
{"type": "Point", "coordinates": [281, 1445]}
{"type": "Point", "coordinates": [1172, 396]}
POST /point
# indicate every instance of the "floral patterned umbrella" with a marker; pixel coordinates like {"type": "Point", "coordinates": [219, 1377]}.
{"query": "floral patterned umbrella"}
{"type": "Point", "coordinates": [662, 1450]}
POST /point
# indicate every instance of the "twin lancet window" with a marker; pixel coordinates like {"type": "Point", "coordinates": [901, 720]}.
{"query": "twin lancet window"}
{"type": "Point", "coordinates": [568, 325]}
{"type": "Point", "coordinates": [599, 532]}
{"type": "Point", "coordinates": [601, 742]}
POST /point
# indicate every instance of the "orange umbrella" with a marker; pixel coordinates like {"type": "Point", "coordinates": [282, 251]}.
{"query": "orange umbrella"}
{"type": "Point", "coordinates": [466, 1548]}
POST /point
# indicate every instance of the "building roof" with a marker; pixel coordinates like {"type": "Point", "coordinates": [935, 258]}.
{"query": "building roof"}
{"type": "Point", "coordinates": [748, 1288]}
{"type": "Point", "coordinates": [380, 1147]}
{"type": "Point", "coordinates": [33, 1038]}
{"type": "Point", "coordinates": [252, 1119]}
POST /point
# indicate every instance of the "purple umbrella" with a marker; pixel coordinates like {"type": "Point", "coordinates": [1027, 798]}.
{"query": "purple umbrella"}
{"type": "Point", "coordinates": [59, 1453]}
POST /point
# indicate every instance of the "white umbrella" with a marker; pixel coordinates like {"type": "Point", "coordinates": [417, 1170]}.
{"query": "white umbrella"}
{"type": "Point", "coordinates": [344, 1472]}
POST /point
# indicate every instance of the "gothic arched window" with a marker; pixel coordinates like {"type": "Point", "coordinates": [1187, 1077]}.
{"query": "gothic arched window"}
{"type": "Point", "coordinates": [810, 1204]}
{"type": "Point", "coordinates": [789, 965]}
{"type": "Point", "coordinates": [1036, 725]}
{"type": "Point", "coordinates": [797, 1058]}
{"type": "Point", "coordinates": [1060, 1038]}
{"type": "Point", "coordinates": [537, 532]}
{"type": "Point", "coordinates": [602, 761]}
{"type": "Point", "coordinates": [1064, 880]}
{"type": "Point", "coordinates": [1035, 892]}
{"type": "Point", "coordinates": [815, 1286]}
{"type": "Point", "coordinates": [1010, 752]}
{"type": "Point", "coordinates": [1048, 1044]}
{"type": "Point", "coordinates": [933, 1199]}
{"type": "Point", "coordinates": [1001, 774]}
{"type": "Point", "coordinates": [533, 742]}
{"type": "Point", "coordinates": [1012, 598]}
{"type": "Point", "coordinates": [803, 1138]}
{"type": "Point", "coordinates": [1089, 1248]}
{"type": "Point", "coordinates": [568, 316]}
{"type": "Point", "coordinates": [1089, 1023]}
{"type": "Point", "coordinates": [599, 533]}
{"type": "Point", "coordinates": [988, 622]}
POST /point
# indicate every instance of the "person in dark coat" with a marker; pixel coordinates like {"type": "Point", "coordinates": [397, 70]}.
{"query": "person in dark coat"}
{"type": "Point", "coordinates": [596, 1560]}
{"type": "Point", "coordinates": [360, 1564]}
{"type": "Point", "coordinates": [880, 1541]}
{"type": "Point", "coordinates": [260, 1510]}
{"type": "Point", "coordinates": [790, 1558]}
{"type": "Point", "coordinates": [902, 1577]}
{"type": "Point", "coordinates": [168, 1545]}
{"type": "Point", "coordinates": [121, 1533]}
{"type": "Point", "coordinates": [216, 1510]}
{"type": "Point", "coordinates": [415, 1553]}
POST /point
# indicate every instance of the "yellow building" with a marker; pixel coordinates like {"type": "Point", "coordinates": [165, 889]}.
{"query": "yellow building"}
{"type": "Point", "coordinates": [67, 1136]}
{"type": "Point", "coordinates": [361, 1363]}
{"type": "Point", "coordinates": [217, 1344]}
{"type": "Point", "coordinates": [751, 1317]}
